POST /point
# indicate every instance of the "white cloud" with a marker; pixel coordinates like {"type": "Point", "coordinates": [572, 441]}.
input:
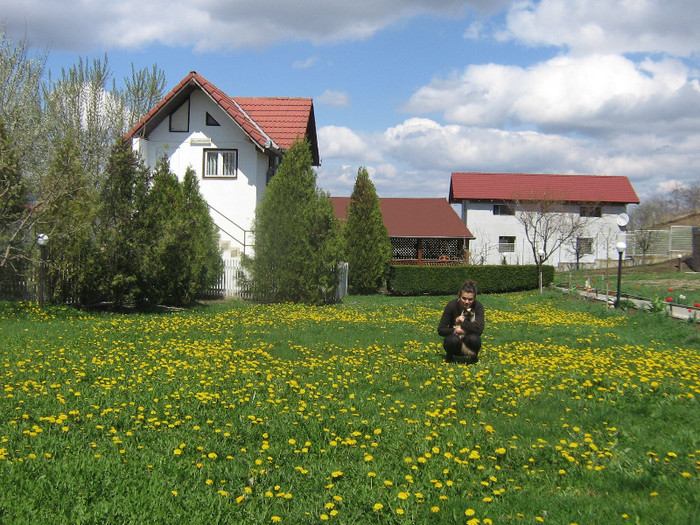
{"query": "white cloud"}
{"type": "Point", "coordinates": [343, 143]}
{"type": "Point", "coordinates": [595, 94]}
{"type": "Point", "coordinates": [336, 99]}
{"type": "Point", "coordinates": [418, 155]}
{"type": "Point", "coordinates": [607, 26]}
{"type": "Point", "coordinates": [213, 25]}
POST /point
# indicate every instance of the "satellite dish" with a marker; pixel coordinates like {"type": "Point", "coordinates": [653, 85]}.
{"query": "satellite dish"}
{"type": "Point", "coordinates": [623, 220]}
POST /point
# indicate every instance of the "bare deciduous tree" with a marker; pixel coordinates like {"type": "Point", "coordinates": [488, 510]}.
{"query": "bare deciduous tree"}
{"type": "Point", "coordinates": [549, 225]}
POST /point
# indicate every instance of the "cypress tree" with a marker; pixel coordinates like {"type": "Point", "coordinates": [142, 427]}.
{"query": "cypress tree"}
{"type": "Point", "coordinates": [296, 241]}
{"type": "Point", "coordinates": [120, 241]}
{"type": "Point", "coordinates": [366, 241]}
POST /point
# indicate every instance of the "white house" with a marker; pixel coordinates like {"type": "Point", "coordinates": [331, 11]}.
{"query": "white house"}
{"type": "Point", "coordinates": [234, 144]}
{"type": "Point", "coordinates": [492, 202]}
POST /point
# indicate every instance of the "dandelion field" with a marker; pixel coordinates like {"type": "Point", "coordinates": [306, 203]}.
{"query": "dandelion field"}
{"type": "Point", "coordinates": [243, 413]}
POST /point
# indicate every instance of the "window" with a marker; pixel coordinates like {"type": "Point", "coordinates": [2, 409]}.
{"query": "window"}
{"type": "Point", "coordinates": [180, 118]}
{"type": "Point", "coordinates": [591, 211]}
{"type": "Point", "coordinates": [503, 209]}
{"type": "Point", "coordinates": [506, 244]}
{"type": "Point", "coordinates": [211, 121]}
{"type": "Point", "coordinates": [220, 162]}
{"type": "Point", "coordinates": [584, 245]}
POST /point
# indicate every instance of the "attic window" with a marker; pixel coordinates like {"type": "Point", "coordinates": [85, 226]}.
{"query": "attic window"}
{"type": "Point", "coordinates": [591, 211]}
{"type": "Point", "coordinates": [503, 209]}
{"type": "Point", "coordinates": [211, 121]}
{"type": "Point", "coordinates": [180, 118]}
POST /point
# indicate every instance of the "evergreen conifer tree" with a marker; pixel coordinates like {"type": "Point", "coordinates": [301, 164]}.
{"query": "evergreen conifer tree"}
{"type": "Point", "coordinates": [366, 242]}
{"type": "Point", "coordinates": [119, 239]}
{"type": "Point", "coordinates": [296, 235]}
{"type": "Point", "coordinates": [163, 268]}
{"type": "Point", "coordinates": [198, 242]}
{"type": "Point", "coordinates": [72, 202]}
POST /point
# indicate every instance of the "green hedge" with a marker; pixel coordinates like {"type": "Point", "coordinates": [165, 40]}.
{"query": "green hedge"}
{"type": "Point", "coordinates": [446, 280]}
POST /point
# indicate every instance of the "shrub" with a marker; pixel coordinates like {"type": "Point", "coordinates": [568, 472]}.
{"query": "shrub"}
{"type": "Point", "coordinates": [446, 280]}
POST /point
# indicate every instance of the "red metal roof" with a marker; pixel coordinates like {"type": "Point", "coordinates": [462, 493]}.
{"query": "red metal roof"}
{"type": "Point", "coordinates": [424, 218]}
{"type": "Point", "coordinates": [534, 187]}
{"type": "Point", "coordinates": [268, 121]}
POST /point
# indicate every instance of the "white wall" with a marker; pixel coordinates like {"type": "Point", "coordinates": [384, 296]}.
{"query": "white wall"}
{"type": "Point", "coordinates": [235, 198]}
{"type": "Point", "coordinates": [487, 228]}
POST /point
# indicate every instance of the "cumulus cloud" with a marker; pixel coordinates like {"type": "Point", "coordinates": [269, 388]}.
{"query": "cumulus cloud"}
{"type": "Point", "coordinates": [418, 154]}
{"type": "Point", "coordinates": [336, 99]}
{"type": "Point", "coordinates": [213, 25]}
{"type": "Point", "coordinates": [607, 26]}
{"type": "Point", "coordinates": [343, 143]}
{"type": "Point", "coordinates": [592, 95]}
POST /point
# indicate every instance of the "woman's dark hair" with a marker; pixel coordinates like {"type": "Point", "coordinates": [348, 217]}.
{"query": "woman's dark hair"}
{"type": "Point", "coordinates": [468, 287]}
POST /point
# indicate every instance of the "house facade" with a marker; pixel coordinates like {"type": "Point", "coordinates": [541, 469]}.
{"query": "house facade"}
{"type": "Point", "coordinates": [234, 144]}
{"type": "Point", "coordinates": [421, 231]}
{"type": "Point", "coordinates": [493, 203]}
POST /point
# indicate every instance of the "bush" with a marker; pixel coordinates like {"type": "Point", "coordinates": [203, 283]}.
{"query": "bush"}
{"type": "Point", "coordinates": [446, 280]}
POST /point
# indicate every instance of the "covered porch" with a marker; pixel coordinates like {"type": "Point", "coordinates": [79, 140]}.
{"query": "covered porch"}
{"type": "Point", "coordinates": [431, 251]}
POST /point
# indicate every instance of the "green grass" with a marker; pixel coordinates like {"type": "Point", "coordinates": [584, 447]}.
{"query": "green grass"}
{"type": "Point", "coordinates": [643, 281]}
{"type": "Point", "coordinates": [241, 413]}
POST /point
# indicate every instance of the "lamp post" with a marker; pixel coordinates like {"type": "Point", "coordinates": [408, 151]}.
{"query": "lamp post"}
{"type": "Point", "coordinates": [540, 252]}
{"type": "Point", "coordinates": [42, 240]}
{"type": "Point", "coordinates": [621, 247]}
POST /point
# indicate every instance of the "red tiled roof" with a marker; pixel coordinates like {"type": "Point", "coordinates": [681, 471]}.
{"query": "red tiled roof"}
{"type": "Point", "coordinates": [533, 187]}
{"type": "Point", "coordinates": [424, 218]}
{"type": "Point", "coordinates": [268, 121]}
{"type": "Point", "coordinates": [283, 119]}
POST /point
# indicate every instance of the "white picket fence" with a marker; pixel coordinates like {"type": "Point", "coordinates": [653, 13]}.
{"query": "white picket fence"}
{"type": "Point", "coordinates": [231, 281]}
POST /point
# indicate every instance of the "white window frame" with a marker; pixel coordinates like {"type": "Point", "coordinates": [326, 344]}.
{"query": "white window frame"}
{"type": "Point", "coordinates": [505, 245]}
{"type": "Point", "coordinates": [215, 164]}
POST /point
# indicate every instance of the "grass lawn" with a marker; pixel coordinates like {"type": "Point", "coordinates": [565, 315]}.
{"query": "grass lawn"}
{"type": "Point", "coordinates": [649, 281]}
{"type": "Point", "coordinates": [258, 414]}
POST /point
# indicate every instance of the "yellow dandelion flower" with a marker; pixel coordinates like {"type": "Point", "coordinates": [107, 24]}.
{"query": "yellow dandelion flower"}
{"type": "Point", "coordinates": [377, 507]}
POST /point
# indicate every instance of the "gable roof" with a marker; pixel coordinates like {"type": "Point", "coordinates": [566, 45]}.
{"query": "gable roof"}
{"type": "Point", "coordinates": [269, 122]}
{"type": "Point", "coordinates": [534, 187]}
{"type": "Point", "coordinates": [419, 218]}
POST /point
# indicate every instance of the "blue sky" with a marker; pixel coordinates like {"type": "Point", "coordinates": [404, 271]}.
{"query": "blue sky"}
{"type": "Point", "coordinates": [417, 89]}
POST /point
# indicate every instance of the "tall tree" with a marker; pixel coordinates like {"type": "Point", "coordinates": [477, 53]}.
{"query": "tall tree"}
{"type": "Point", "coordinates": [161, 223]}
{"type": "Point", "coordinates": [549, 225]}
{"type": "Point", "coordinates": [367, 247]}
{"type": "Point", "coordinates": [14, 212]}
{"type": "Point", "coordinates": [198, 242]}
{"type": "Point", "coordinates": [79, 102]}
{"type": "Point", "coordinates": [142, 90]}
{"type": "Point", "coordinates": [296, 235]}
{"type": "Point", "coordinates": [118, 238]}
{"type": "Point", "coordinates": [20, 99]}
{"type": "Point", "coordinates": [68, 221]}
